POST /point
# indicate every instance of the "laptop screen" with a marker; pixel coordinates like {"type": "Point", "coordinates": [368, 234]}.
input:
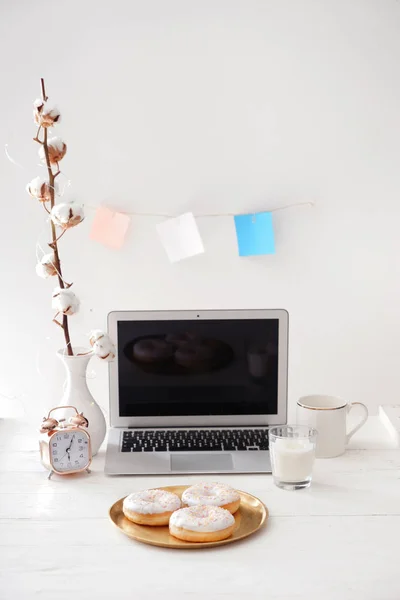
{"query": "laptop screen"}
{"type": "Point", "coordinates": [204, 367]}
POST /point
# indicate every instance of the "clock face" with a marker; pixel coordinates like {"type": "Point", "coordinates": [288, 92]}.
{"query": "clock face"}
{"type": "Point", "coordinates": [69, 450]}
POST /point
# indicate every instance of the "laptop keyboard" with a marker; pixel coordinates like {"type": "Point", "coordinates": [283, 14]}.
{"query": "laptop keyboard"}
{"type": "Point", "coordinates": [194, 440]}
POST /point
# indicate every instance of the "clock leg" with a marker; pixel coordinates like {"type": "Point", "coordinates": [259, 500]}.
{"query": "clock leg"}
{"type": "Point", "coordinates": [50, 474]}
{"type": "Point", "coordinates": [88, 470]}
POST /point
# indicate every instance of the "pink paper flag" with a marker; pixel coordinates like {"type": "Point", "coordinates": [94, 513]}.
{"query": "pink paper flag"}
{"type": "Point", "coordinates": [109, 227]}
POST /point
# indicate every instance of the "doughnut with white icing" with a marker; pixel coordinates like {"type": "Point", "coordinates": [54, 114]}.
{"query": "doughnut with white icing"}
{"type": "Point", "coordinates": [193, 354]}
{"type": "Point", "coordinates": [212, 494]}
{"type": "Point", "coordinates": [150, 507]}
{"type": "Point", "coordinates": [201, 524]}
{"type": "Point", "coordinates": [152, 350]}
{"type": "Point", "coordinates": [177, 339]}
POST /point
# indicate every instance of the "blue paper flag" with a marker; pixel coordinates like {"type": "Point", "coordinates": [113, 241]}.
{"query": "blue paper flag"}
{"type": "Point", "coordinates": [255, 234]}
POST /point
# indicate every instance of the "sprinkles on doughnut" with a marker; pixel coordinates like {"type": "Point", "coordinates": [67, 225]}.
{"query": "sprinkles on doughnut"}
{"type": "Point", "coordinates": [150, 507]}
{"type": "Point", "coordinates": [212, 494]}
{"type": "Point", "coordinates": [201, 524]}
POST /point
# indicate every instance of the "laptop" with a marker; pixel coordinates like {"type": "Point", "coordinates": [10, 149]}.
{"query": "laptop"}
{"type": "Point", "coordinates": [195, 391]}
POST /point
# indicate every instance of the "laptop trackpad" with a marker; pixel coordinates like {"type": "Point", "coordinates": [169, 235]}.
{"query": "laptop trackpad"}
{"type": "Point", "coordinates": [201, 462]}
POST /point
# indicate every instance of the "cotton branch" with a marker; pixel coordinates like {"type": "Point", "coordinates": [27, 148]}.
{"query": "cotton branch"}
{"type": "Point", "coordinates": [54, 244]}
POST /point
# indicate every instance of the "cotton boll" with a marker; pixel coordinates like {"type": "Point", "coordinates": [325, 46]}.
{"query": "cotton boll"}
{"type": "Point", "coordinates": [67, 214]}
{"type": "Point", "coordinates": [46, 267]}
{"type": "Point", "coordinates": [41, 270]}
{"type": "Point", "coordinates": [104, 348]}
{"type": "Point", "coordinates": [57, 150]}
{"type": "Point", "coordinates": [39, 188]}
{"type": "Point", "coordinates": [95, 335]}
{"type": "Point", "coordinates": [65, 301]}
{"type": "Point", "coordinates": [45, 114]}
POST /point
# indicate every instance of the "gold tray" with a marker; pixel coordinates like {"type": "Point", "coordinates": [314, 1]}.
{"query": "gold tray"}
{"type": "Point", "coordinates": [250, 517]}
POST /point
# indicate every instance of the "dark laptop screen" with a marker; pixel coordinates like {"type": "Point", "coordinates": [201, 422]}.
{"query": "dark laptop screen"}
{"type": "Point", "coordinates": [178, 368]}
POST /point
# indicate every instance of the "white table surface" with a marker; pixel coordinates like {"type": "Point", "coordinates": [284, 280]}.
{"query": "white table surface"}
{"type": "Point", "coordinates": [340, 539]}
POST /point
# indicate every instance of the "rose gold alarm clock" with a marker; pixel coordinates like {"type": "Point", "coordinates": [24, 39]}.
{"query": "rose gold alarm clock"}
{"type": "Point", "coordinates": [65, 446]}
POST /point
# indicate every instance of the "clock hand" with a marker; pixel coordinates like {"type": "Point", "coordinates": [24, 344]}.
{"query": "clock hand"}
{"type": "Point", "coordinates": [69, 447]}
{"type": "Point", "coordinates": [68, 450]}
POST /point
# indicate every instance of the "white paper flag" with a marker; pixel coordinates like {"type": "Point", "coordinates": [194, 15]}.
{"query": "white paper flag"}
{"type": "Point", "coordinates": [180, 237]}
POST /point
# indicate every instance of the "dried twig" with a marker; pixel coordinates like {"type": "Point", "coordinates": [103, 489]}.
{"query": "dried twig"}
{"type": "Point", "coordinates": [54, 245]}
{"type": "Point", "coordinates": [43, 90]}
{"type": "Point", "coordinates": [54, 242]}
{"type": "Point", "coordinates": [36, 138]}
{"type": "Point", "coordinates": [58, 322]}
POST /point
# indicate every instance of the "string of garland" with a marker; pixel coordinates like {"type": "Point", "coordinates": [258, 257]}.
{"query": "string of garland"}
{"type": "Point", "coordinates": [205, 215]}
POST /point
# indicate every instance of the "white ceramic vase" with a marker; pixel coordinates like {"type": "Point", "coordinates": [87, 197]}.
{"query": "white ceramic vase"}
{"type": "Point", "coordinates": [77, 394]}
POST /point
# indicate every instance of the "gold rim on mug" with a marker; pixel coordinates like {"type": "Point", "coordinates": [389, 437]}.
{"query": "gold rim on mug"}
{"type": "Point", "coordinates": [321, 407]}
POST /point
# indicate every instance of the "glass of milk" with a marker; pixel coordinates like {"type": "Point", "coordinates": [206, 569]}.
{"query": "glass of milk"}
{"type": "Point", "coordinates": [292, 451]}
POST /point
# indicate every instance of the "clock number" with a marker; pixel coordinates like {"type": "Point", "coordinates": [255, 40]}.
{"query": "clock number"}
{"type": "Point", "coordinates": [62, 464]}
{"type": "Point", "coordinates": [68, 464]}
{"type": "Point", "coordinates": [54, 452]}
{"type": "Point", "coordinates": [79, 440]}
{"type": "Point", "coordinates": [56, 460]}
{"type": "Point", "coordinates": [77, 462]}
{"type": "Point", "coordinates": [80, 448]}
{"type": "Point", "coordinates": [59, 438]}
{"type": "Point", "coordinates": [81, 456]}
{"type": "Point", "coordinates": [54, 444]}
{"type": "Point", "coordinates": [66, 436]}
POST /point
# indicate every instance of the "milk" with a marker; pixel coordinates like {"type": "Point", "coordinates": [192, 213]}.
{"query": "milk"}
{"type": "Point", "coordinates": [292, 459]}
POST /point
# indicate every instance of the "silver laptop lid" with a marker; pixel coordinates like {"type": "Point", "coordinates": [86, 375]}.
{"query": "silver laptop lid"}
{"type": "Point", "coordinates": [199, 368]}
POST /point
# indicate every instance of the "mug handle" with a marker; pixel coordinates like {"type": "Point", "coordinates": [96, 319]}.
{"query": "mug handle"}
{"type": "Point", "coordinates": [363, 420]}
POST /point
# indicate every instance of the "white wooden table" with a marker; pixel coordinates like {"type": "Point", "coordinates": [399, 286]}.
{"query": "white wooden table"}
{"type": "Point", "coordinates": [340, 539]}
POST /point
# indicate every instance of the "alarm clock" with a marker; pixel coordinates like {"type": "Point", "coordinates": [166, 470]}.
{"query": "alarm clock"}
{"type": "Point", "coordinates": [65, 446]}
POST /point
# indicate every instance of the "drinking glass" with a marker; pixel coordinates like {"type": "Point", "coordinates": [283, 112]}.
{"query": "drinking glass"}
{"type": "Point", "coordinates": [292, 451]}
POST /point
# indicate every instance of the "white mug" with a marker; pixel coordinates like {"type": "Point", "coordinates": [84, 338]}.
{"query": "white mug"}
{"type": "Point", "coordinates": [328, 415]}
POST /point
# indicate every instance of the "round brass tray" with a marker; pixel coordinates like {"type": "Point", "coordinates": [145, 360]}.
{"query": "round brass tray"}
{"type": "Point", "coordinates": [250, 517]}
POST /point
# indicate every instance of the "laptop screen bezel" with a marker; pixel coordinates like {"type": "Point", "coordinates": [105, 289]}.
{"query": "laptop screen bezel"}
{"type": "Point", "coordinates": [201, 420]}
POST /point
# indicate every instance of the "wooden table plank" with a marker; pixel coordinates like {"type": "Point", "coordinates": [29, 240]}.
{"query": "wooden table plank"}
{"type": "Point", "coordinates": [347, 558]}
{"type": "Point", "coordinates": [338, 540]}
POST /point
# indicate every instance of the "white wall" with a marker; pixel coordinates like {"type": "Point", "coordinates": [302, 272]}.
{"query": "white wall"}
{"type": "Point", "coordinates": [211, 105]}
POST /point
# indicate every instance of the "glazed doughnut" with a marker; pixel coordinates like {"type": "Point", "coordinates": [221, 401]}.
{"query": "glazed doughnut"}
{"type": "Point", "coordinates": [150, 507]}
{"type": "Point", "coordinates": [201, 524]}
{"type": "Point", "coordinates": [212, 494]}
{"type": "Point", "coordinates": [177, 339]}
{"type": "Point", "coordinates": [193, 354]}
{"type": "Point", "coordinates": [152, 350]}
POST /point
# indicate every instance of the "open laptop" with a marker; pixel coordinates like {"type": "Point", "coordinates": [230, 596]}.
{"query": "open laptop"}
{"type": "Point", "coordinates": [195, 391]}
